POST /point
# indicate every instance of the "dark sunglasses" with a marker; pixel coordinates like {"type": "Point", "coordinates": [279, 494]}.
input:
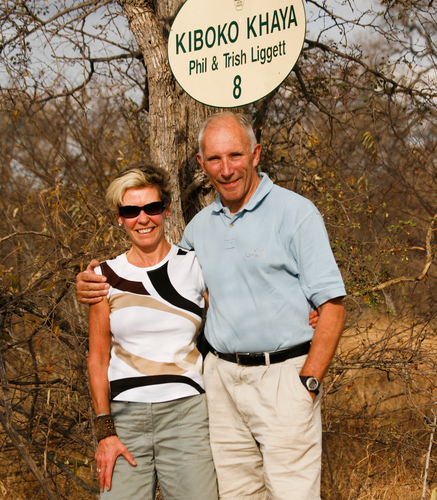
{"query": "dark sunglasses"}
{"type": "Point", "coordinates": [131, 211]}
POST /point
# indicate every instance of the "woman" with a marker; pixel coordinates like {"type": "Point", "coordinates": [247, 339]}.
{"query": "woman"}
{"type": "Point", "coordinates": [147, 389]}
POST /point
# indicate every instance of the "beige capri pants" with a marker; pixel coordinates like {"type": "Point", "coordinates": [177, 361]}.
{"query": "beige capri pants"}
{"type": "Point", "coordinates": [170, 443]}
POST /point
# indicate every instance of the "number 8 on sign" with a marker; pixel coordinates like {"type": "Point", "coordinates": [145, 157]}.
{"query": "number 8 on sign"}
{"type": "Point", "coordinates": [237, 87]}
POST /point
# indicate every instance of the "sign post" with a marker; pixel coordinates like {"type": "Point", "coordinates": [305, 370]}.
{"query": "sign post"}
{"type": "Point", "coordinates": [229, 53]}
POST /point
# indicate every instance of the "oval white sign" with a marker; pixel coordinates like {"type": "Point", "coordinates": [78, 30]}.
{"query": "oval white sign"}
{"type": "Point", "coordinates": [229, 53]}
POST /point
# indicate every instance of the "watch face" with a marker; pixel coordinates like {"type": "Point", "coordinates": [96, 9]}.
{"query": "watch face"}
{"type": "Point", "coordinates": [312, 384]}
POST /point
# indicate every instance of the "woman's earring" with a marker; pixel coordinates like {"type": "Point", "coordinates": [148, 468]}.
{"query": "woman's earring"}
{"type": "Point", "coordinates": [120, 224]}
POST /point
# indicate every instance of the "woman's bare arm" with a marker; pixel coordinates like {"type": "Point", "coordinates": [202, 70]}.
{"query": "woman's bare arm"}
{"type": "Point", "coordinates": [111, 447]}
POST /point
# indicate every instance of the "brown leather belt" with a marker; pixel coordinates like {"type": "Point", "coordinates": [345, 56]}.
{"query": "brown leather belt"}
{"type": "Point", "coordinates": [265, 358]}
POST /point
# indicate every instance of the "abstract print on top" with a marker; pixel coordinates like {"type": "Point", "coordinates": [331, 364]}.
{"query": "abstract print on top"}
{"type": "Point", "coordinates": [155, 315]}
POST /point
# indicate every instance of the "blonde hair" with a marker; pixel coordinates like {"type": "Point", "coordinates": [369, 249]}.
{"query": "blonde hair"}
{"type": "Point", "coordinates": [219, 120]}
{"type": "Point", "coordinates": [138, 177]}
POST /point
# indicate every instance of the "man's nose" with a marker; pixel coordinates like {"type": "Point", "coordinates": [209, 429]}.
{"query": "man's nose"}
{"type": "Point", "coordinates": [227, 169]}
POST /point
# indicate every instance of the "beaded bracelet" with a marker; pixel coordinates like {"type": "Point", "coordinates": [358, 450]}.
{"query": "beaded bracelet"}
{"type": "Point", "coordinates": [104, 425]}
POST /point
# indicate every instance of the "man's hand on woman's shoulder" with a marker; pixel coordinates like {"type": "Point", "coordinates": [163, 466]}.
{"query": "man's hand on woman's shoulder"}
{"type": "Point", "coordinates": [91, 287]}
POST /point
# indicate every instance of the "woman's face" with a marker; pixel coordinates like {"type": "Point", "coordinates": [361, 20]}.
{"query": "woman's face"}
{"type": "Point", "coordinates": [145, 231]}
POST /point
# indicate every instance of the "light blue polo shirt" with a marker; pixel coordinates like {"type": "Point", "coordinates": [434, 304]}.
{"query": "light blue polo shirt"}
{"type": "Point", "coordinates": [266, 267]}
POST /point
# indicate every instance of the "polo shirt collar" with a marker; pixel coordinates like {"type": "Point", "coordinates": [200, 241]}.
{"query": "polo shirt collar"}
{"type": "Point", "coordinates": [263, 189]}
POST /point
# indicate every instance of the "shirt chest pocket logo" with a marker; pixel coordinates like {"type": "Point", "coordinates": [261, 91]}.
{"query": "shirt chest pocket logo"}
{"type": "Point", "coordinates": [256, 253]}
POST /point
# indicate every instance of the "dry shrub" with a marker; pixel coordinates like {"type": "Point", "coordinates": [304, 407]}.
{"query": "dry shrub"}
{"type": "Point", "coordinates": [379, 412]}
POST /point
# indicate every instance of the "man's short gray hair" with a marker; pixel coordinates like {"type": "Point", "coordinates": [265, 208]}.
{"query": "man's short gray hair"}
{"type": "Point", "coordinates": [219, 119]}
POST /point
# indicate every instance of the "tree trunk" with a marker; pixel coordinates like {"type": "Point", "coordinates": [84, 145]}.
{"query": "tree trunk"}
{"type": "Point", "coordinates": [174, 117]}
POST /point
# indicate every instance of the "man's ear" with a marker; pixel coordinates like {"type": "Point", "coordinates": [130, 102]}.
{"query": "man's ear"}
{"type": "Point", "coordinates": [256, 155]}
{"type": "Point", "coordinates": [199, 159]}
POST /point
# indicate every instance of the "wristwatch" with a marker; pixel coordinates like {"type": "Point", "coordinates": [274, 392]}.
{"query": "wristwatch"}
{"type": "Point", "coordinates": [311, 384]}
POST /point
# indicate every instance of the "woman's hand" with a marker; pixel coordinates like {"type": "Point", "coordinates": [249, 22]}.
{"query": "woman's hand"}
{"type": "Point", "coordinates": [314, 317]}
{"type": "Point", "coordinates": [107, 452]}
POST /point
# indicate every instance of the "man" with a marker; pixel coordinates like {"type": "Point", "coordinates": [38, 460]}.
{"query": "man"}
{"type": "Point", "coordinates": [267, 262]}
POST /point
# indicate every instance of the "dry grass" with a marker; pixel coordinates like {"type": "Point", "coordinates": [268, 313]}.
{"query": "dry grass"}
{"type": "Point", "coordinates": [19, 484]}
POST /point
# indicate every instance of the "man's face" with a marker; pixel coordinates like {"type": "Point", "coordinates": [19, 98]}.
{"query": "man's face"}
{"type": "Point", "coordinates": [230, 163]}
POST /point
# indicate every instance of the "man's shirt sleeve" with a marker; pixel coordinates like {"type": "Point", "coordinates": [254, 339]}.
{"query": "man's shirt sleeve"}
{"type": "Point", "coordinates": [319, 276]}
{"type": "Point", "coordinates": [187, 238]}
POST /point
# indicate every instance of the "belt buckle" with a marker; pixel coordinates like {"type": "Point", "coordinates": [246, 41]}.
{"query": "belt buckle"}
{"type": "Point", "coordinates": [265, 354]}
{"type": "Point", "coordinates": [237, 357]}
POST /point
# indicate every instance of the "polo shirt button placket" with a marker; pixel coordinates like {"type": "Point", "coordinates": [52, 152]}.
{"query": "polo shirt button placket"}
{"type": "Point", "coordinates": [230, 236]}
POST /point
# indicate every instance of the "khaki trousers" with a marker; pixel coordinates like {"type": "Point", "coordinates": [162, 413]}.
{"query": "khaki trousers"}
{"type": "Point", "coordinates": [266, 433]}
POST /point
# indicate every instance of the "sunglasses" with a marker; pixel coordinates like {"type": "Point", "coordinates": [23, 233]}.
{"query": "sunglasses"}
{"type": "Point", "coordinates": [131, 211]}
